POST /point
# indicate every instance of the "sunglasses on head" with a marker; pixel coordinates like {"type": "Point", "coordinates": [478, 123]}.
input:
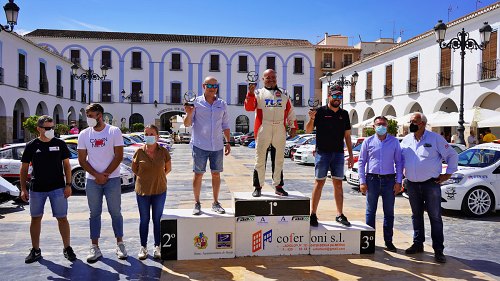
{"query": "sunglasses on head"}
{"type": "Point", "coordinates": [47, 128]}
{"type": "Point", "coordinates": [334, 96]}
{"type": "Point", "coordinates": [212, 86]}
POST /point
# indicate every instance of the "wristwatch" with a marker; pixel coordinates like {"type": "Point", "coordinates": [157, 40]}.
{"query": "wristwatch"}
{"type": "Point", "coordinates": [68, 184]}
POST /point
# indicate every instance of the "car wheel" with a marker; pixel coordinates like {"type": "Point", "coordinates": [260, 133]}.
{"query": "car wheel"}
{"type": "Point", "coordinates": [478, 202]}
{"type": "Point", "coordinates": [78, 180]}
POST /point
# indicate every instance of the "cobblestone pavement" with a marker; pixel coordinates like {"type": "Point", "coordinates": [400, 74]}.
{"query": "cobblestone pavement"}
{"type": "Point", "coordinates": [470, 243]}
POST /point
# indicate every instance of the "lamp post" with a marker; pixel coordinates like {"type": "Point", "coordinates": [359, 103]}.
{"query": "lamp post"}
{"type": "Point", "coordinates": [462, 42]}
{"type": "Point", "coordinates": [11, 13]}
{"type": "Point", "coordinates": [342, 82]}
{"type": "Point", "coordinates": [89, 75]}
{"type": "Point", "coordinates": [130, 98]}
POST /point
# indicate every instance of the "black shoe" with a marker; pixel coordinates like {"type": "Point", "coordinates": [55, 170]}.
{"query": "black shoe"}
{"type": "Point", "coordinates": [280, 191]}
{"type": "Point", "coordinates": [342, 220]}
{"type": "Point", "coordinates": [33, 256]}
{"type": "Point", "coordinates": [390, 247]}
{"type": "Point", "coordinates": [439, 256]}
{"type": "Point", "coordinates": [314, 220]}
{"type": "Point", "coordinates": [415, 248]}
{"type": "Point", "coordinates": [69, 254]}
{"type": "Point", "coordinates": [256, 192]}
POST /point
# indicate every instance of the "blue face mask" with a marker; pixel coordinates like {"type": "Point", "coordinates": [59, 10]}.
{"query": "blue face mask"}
{"type": "Point", "coordinates": [381, 130]}
{"type": "Point", "coordinates": [150, 139]}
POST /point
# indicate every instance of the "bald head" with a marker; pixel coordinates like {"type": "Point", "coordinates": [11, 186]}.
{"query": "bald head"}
{"type": "Point", "coordinates": [269, 78]}
{"type": "Point", "coordinates": [210, 80]}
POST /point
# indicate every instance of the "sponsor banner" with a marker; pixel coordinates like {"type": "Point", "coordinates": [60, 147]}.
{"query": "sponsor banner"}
{"type": "Point", "coordinates": [331, 238]}
{"type": "Point", "coordinates": [269, 204]}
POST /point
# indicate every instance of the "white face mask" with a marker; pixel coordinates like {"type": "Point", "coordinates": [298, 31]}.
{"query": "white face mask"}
{"type": "Point", "coordinates": [150, 139]}
{"type": "Point", "coordinates": [49, 134]}
{"type": "Point", "coordinates": [91, 122]}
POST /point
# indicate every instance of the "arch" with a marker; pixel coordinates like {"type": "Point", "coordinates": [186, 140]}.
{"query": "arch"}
{"type": "Point", "coordinates": [75, 46]}
{"type": "Point", "coordinates": [162, 70]}
{"type": "Point", "coordinates": [3, 109]}
{"type": "Point", "coordinates": [41, 109]}
{"type": "Point", "coordinates": [106, 47]}
{"type": "Point", "coordinates": [174, 50]}
{"type": "Point", "coordinates": [243, 52]}
{"type": "Point", "coordinates": [20, 112]}
{"type": "Point", "coordinates": [82, 118]}
{"type": "Point", "coordinates": [49, 47]}
{"type": "Point", "coordinates": [488, 100]}
{"type": "Point", "coordinates": [228, 73]}
{"type": "Point", "coordinates": [389, 110]}
{"type": "Point", "coordinates": [447, 105]}
{"type": "Point", "coordinates": [71, 114]}
{"type": "Point", "coordinates": [271, 53]}
{"type": "Point", "coordinates": [369, 113]}
{"type": "Point", "coordinates": [136, 48]}
{"type": "Point", "coordinates": [108, 118]}
{"type": "Point", "coordinates": [58, 114]}
{"type": "Point", "coordinates": [167, 118]}
{"type": "Point", "coordinates": [296, 55]}
{"type": "Point", "coordinates": [353, 117]}
{"type": "Point", "coordinates": [135, 118]}
{"type": "Point", "coordinates": [413, 107]}
{"type": "Point", "coordinates": [242, 124]}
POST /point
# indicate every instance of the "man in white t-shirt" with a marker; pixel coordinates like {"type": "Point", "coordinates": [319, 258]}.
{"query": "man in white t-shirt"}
{"type": "Point", "coordinates": [100, 151]}
{"type": "Point", "coordinates": [454, 138]}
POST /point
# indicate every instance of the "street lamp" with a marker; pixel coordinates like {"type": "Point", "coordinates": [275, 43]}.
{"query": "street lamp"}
{"type": "Point", "coordinates": [131, 100]}
{"type": "Point", "coordinates": [462, 42]}
{"type": "Point", "coordinates": [342, 81]}
{"type": "Point", "coordinates": [89, 75]}
{"type": "Point", "coordinates": [11, 13]}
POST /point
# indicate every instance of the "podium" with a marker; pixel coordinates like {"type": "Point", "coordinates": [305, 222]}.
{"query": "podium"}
{"type": "Point", "coordinates": [332, 238]}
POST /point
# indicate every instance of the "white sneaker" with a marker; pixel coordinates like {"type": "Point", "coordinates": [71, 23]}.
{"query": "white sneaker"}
{"type": "Point", "coordinates": [95, 254]}
{"type": "Point", "coordinates": [157, 253]}
{"type": "Point", "coordinates": [143, 253]}
{"type": "Point", "coordinates": [121, 252]}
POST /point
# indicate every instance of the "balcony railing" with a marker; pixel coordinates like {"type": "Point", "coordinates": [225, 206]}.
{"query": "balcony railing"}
{"type": "Point", "coordinates": [1, 75]}
{"type": "Point", "coordinates": [444, 78]}
{"type": "Point", "coordinates": [106, 97]}
{"type": "Point", "coordinates": [175, 66]}
{"type": "Point", "coordinates": [75, 60]}
{"type": "Point", "coordinates": [346, 63]}
{"type": "Point", "coordinates": [488, 69]}
{"type": "Point", "coordinates": [368, 94]}
{"type": "Point", "coordinates": [328, 64]}
{"type": "Point", "coordinates": [60, 91]}
{"type": "Point", "coordinates": [352, 97]}
{"type": "Point", "coordinates": [412, 86]}
{"type": "Point", "coordinates": [388, 90]}
{"type": "Point", "coordinates": [136, 64]}
{"type": "Point", "coordinates": [44, 86]}
{"type": "Point", "coordinates": [72, 95]}
{"type": "Point", "coordinates": [136, 97]}
{"type": "Point", "coordinates": [23, 81]}
{"type": "Point", "coordinates": [106, 62]}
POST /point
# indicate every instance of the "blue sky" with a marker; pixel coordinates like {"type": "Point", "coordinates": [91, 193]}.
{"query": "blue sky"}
{"type": "Point", "coordinates": [296, 19]}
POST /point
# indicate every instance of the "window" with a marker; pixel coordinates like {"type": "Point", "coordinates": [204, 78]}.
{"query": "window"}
{"type": "Point", "coordinates": [297, 66]}
{"type": "Point", "coordinates": [83, 96]}
{"type": "Point", "coordinates": [242, 124]}
{"type": "Point", "coordinates": [72, 91]}
{"type": "Point", "coordinates": [489, 65]}
{"type": "Point", "coordinates": [106, 91]}
{"type": "Point", "coordinates": [297, 95]}
{"type": "Point", "coordinates": [176, 92]}
{"type": "Point", "coordinates": [413, 81]}
{"type": "Point", "coordinates": [353, 93]}
{"type": "Point", "coordinates": [176, 62]}
{"type": "Point", "coordinates": [271, 63]}
{"type": "Point", "coordinates": [243, 63]}
{"type": "Point", "coordinates": [444, 75]}
{"type": "Point", "coordinates": [388, 81]}
{"type": "Point", "coordinates": [23, 78]}
{"type": "Point", "coordinates": [75, 56]}
{"type": "Point", "coordinates": [328, 60]}
{"type": "Point", "coordinates": [369, 80]}
{"type": "Point", "coordinates": [242, 93]}
{"type": "Point", "coordinates": [347, 59]}
{"type": "Point", "coordinates": [44, 82]}
{"type": "Point", "coordinates": [106, 58]}
{"type": "Point", "coordinates": [59, 86]}
{"type": "Point", "coordinates": [136, 87]}
{"type": "Point", "coordinates": [136, 60]}
{"type": "Point", "coordinates": [214, 63]}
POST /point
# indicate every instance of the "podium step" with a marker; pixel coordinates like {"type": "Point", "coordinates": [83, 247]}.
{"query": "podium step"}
{"type": "Point", "coordinates": [270, 204]}
{"type": "Point", "coordinates": [332, 238]}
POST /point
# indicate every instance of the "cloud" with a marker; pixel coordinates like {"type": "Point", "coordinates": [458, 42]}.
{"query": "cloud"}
{"type": "Point", "coordinates": [89, 26]}
{"type": "Point", "coordinates": [22, 31]}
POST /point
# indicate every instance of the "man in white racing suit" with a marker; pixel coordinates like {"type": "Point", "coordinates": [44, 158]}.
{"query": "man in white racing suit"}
{"type": "Point", "coordinates": [273, 112]}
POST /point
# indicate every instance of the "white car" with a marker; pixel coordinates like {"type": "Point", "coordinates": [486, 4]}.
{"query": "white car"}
{"type": "Point", "coordinates": [352, 175]}
{"type": "Point", "coordinates": [306, 153]}
{"type": "Point", "coordinates": [475, 187]}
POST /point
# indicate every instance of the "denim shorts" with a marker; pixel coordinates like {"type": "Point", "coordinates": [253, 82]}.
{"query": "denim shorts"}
{"type": "Point", "coordinates": [333, 161]}
{"type": "Point", "coordinates": [58, 203]}
{"type": "Point", "coordinates": [201, 156]}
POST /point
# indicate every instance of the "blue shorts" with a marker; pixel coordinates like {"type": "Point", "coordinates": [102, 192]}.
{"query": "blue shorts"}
{"type": "Point", "coordinates": [58, 203]}
{"type": "Point", "coordinates": [201, 156]}
{"type": "Point", "coordinates": [333, 161]}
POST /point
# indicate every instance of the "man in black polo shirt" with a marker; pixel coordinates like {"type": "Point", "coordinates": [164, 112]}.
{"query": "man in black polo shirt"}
{"type": "Point", "coordinates": [332, 128]}
{"type": "Point", "coordinates": [48, 156]}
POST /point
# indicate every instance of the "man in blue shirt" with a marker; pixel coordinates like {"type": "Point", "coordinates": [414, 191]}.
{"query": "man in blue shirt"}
{"type": "Point", "coordinates": [423, 152]}
{"type": "Point", "coordinates": [210, 123]}
{"type": "Point", "coordinates": [380, 173]}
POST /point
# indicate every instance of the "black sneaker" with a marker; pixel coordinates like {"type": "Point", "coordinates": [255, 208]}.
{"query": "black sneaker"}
{"type": "Point", "coordinates": [415, 248]}
{"type": "Point", "coordinates": [257, 192]}
{"type": "Point", "coordinates": [314, 220]}
{"type": "Point", "coordinates": [69, 254]}
{"type": "Point", "coordinates": [342, 220]}
{"type": "Point", "coordinates": [280, 191]}
{"type": "Point", "coordinates": [390, 247]}
{"type": "Point", "coordinates": [197, 209]}
{"type": "Point", "coordinates": [33, 256]}
{"type": "Point", "coordinates": [439, 256]}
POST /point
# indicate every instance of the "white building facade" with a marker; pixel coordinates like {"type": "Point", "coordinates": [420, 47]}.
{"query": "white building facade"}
{"type": "Point", "coordinates": [417, 75]}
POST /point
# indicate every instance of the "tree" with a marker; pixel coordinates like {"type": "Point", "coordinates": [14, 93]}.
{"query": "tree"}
{"type": "Point", "coordinates": [137, 127]}
{"type": "Point", "coordinates": [392, 127]}
{"type": "Point", "coordinates": [30, 124]}
{"type": "Point", "coordinates": [369, 131]}
{"type": "Point", "coordinates": [61, 129]}
{"type": "Point", "coordinates": [124, 130]}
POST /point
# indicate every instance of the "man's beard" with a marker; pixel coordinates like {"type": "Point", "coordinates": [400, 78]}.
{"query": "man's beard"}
{"type": "Point", "coordinates": [335, 104]}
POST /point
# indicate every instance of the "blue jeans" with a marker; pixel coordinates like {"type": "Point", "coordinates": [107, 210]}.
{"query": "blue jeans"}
{"type": "Point", "coordinates": [333, 161]}
{"type": "Point", "coordinates": [113, 192]}
{"type": "Point", "coordinates": [426, 195]}
{"type": "Point", "coordinates": [58, 203]}
{"type": "Point", "coordinates": [381, 187]}
{"type": "Point", "coordinates": [200, 158]}
{"type": "Point", "coordinates": [156, 203]}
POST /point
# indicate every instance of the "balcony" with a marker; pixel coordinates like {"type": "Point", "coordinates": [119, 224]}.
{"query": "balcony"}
{"type": "Point", "coordinates": [44, 86]}
{"type": "Point", "coordinates": [352, 97]}
{"type": "Point", "coordinates": [1, 75]}
{"type": "Point", "coordinates": [23, 81]}
{"type": "Point", "coordinates": [488, 70]}
{"type": "Point", "coordinates": [72, 95]}
{"type": "Point", "coordinates": [176, 66]}
{"type": "Point", "coordinates": [60, 91]}
{"type": "Point", "coordinates": [444, 78]}
{"type": "Point", "coordinates": [388, 90]}
{"type": "Point", "coordinates": [368, 94]}
{"type": "Point", "coordinates": [136, 98]}
{"type": "Point", "coordinates": [328, 64]}
{"type": "Point", "coordinates": [412, 86]}
{"type": "Point", "coordinates": [137, 64]}
{"type": "Point", "coordinates": [106, 97]}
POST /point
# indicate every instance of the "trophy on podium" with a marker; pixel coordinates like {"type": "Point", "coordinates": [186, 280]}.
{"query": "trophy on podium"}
{"type": "Point", "coordinates": [252, 77]}
{"type": "Point", "coordinates": [189, 98]}
{"type": "Point", "coordinates": [313, 103]}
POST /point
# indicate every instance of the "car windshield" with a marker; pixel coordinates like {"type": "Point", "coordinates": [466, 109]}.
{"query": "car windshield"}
{"type": "Point", "coordinates": [136, 138]}
{"type": "Point", "coordinates": [478, 157]}
{"type": "Point", "coordinates": [73, 154]}
{"type": "Point", "coordinates": [294, 138]}
{"type": "Point", "coordinates": [302, 140]}
{"type": "Point", "coordinates": [357, 148]}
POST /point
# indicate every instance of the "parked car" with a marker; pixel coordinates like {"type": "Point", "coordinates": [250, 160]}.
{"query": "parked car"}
{"type": "Point", "coordinates": [237, 136]}
{"type": "Point", "coordinates": [139, 138]}
{"type": "Point", "coordinates": [293, 141]}
{"type": "Point", "coordinates": [306, 153]}
{"type": "Point", "coordinates": [304, 141]}
{"type": "Point", "coordinates": [184, 137]}
{"type": "Point", "coordinates": [244, 137]}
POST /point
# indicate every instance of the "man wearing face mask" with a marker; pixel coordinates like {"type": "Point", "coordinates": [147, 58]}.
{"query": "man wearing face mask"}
{"type": "Point", "coordinates": [273, 112]}
{"type": "Point", "coordinates": [423, 152]}
{"type": "Point", "coordinates": [332, 129]}
{"type": "Point", "coordinates": [210, 122]}
{"type": "Point", "coordinates": [380, 174]}
{"type": "Point", "coordinates": [100, 151]}
{"type": "Point", "coordinates": [49, 157]}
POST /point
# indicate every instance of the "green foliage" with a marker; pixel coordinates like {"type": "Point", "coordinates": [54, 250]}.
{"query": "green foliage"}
{"type": "Point", "coordinates": [300, 132]}
{"type": "Point", "coordinates": [61, 129]}
{"type": "Point", "coordinates": [392, 127]}
{"type": "Point", "coordinates": [369, 131]}
{"type": "Point", "coordinates": [30, 124]}
{"type": "Point", "coordinates": [137, 127]}
{"type": "Point", "coordinates": [124, 130]}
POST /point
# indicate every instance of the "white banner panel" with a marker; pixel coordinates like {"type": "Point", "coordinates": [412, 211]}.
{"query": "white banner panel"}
{"type": "Point", "coordinates": [332, 238]}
